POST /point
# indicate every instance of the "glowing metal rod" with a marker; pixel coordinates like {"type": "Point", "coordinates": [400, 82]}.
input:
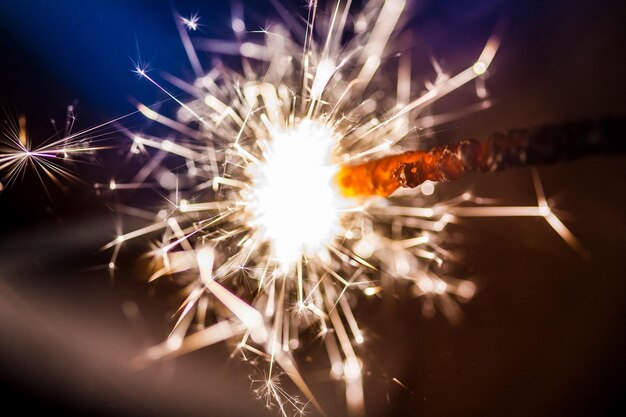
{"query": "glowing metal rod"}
{"type": "Point", "coordinates": [517, 148]}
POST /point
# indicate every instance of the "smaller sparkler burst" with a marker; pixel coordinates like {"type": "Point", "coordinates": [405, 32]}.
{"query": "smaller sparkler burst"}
{"type": "Point", "coordinates": [270, 244]}
{"type": "Point", "coordinates": [191, 22]}
{"type": "Point", "coordinates": [49, 158]}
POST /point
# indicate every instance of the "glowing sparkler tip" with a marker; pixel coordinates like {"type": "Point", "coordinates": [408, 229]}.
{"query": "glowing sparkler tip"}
{"type": "Point", "coordinates": [300, 161]}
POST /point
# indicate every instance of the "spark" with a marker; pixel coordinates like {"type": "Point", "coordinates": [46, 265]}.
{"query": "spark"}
{"type": "Point", "coordinates": [48, 158]}
{"type": "Point", "coordinates": [256, 218]}
{"type": "Point", "coordinates": [269, 389]}
{"type": "Point", "coordinates": [191, 22]}
{"type": "Point", "coordinates": [397, 381]}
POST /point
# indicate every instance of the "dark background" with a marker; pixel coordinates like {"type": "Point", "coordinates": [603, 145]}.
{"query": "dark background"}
{"type": "Point", "coordinates": [544, 336]}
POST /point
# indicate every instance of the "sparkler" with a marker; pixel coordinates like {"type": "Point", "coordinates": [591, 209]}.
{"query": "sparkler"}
{"type": "Point", "coordinates": [262, 231]}
{"type": "Point", "coordinates": [48, 158]}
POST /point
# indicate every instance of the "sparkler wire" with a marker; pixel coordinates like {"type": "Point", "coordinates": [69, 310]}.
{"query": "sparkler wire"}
{"type": "Point", "coordinates": [517, 148]}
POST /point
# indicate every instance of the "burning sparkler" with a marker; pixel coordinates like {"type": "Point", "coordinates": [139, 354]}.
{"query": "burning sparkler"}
{"type": "Point", "coordinates": [47, 159]}
{"type": "Point", "coordinates": [262, 228]}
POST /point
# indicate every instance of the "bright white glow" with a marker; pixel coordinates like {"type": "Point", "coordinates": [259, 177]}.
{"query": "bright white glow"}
{"type": "Point", "coordinates": [428, 187]}
{"type": "Point", "coordinates": [360, 25]}
{"type": "Point", "coordinates": [466, 289]}
{"type": "Point", "coordinates": [238, 25]}
{"type": "Point", "coordinates": [324, 72]}
{"type": "Point", "coordinates": [295, 202]}
{"type": "Point", "coordinates": [352, 368]}
{"type": "Point", "coordinates": [192, 22]}
{"type": "Point", "coordinates": [146, 111]}
{"type": "Point", "coordinates": [205, 258]}
{"type": "Point", "coordinates": [545, 211]}
{"type": "Point", "coordinates": [166, 145]}
{"type": "Point", "coordinates": [337, 369]}
{"type": "Point", "coordinates": [480, 68]}
{"type": "Point", "coordinates": [369, 291]}
{"type": "Point", "coordinates": [366, 246]}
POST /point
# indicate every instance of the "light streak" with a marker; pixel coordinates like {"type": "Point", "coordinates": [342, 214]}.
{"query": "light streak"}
{"type": "Point", "coordinates": [256, 219]}
{"type": "Point", "coordinates": [46, 158]}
